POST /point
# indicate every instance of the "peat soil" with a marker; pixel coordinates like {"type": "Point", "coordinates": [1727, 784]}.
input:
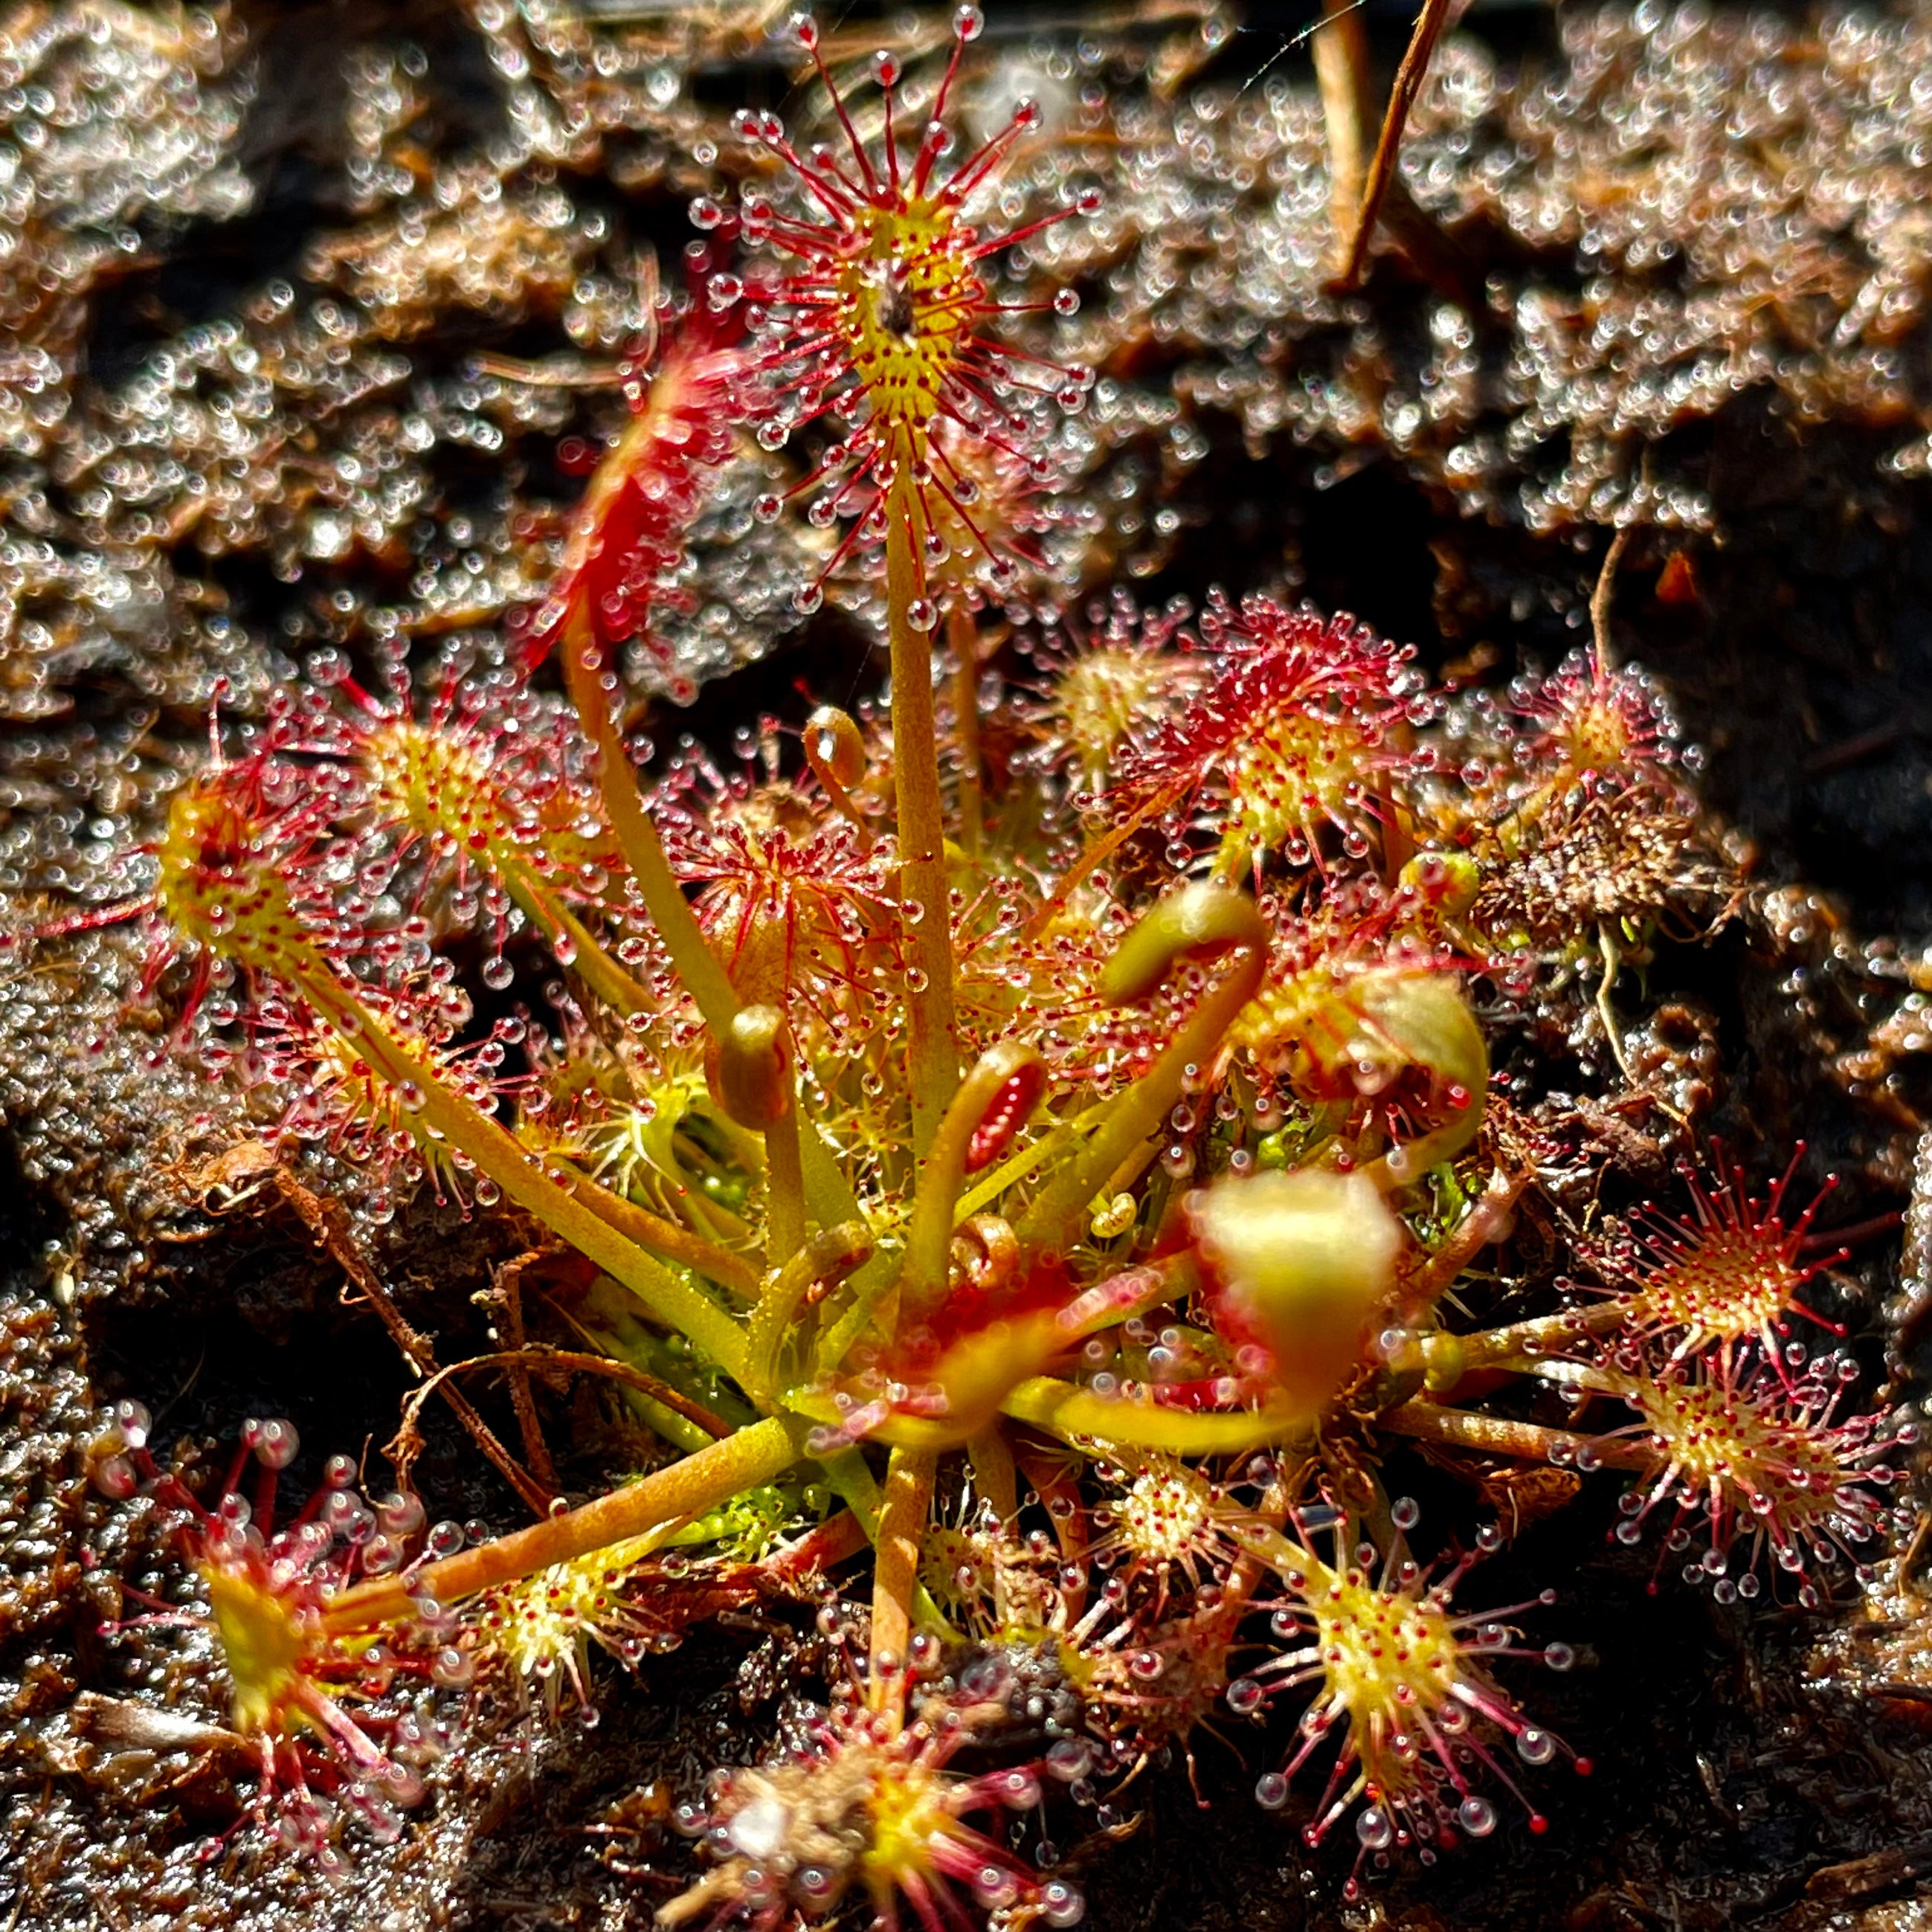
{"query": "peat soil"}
{"type": "Point", "coordinates": [1747, 1770]}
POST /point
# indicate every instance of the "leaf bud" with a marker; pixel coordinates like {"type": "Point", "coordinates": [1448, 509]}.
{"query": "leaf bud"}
{"type": "Point", "coordinates": [750, 1071]}
{"type": "Point", "coordinates": [1304, 1260]}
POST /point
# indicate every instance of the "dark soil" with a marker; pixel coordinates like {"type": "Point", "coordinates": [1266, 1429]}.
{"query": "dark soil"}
{"type": "Point", "coordinates": [1746, 1772]}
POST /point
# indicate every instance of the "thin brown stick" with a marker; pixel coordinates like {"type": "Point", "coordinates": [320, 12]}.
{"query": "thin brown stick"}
{"type": "Point", "coordinates": [541, 1356]}
{"type": "Point", "coordinates": [1340, 50]}
{"type": "Point", "coordinates": [558, 372]}
{"type": "Point", "coordinates": [1408, 79]}
{"type": "Point", "coordinates": [327, 1220]}
{"type": "Point", "coordinates": [1599, 598]}
{"type": "Point", "coordinates": [506, 1284]}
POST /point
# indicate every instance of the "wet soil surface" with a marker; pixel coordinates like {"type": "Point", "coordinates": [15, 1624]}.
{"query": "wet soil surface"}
{"type": "Point", "coordinates": [1748, 1772]}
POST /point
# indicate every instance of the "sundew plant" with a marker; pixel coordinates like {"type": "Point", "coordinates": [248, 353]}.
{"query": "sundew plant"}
{"type": "Point", "coordinates": [1028, 1147]}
